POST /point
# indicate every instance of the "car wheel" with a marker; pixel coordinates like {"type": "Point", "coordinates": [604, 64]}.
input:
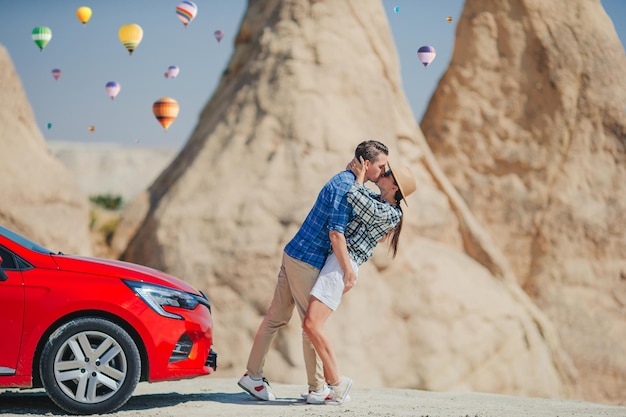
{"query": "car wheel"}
{"type": "Point", "coordinates": [90, 366]}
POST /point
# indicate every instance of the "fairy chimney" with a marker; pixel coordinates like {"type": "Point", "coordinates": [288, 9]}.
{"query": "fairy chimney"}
{"type": "Point", "coordinates": [529, 124]}
{"type": "Point", "coordinates": [40, 198]}
{"type": "Point", "coordinates": [307, 82]}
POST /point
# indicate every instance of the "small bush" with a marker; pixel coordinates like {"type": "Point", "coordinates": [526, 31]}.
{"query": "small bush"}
{"type": "Point", "coordinates": [107, 201]}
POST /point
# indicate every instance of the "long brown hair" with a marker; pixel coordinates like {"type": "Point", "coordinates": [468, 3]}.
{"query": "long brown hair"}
{"type": "Point", "coordinates": [395, 237]}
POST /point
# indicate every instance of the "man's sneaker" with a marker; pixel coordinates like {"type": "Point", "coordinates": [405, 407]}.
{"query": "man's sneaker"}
{"type": "Point", "coordinates": [339, 392]}
{"type": "Point", "coordinates": [318, 397]}
{"type": "Point", "coordinates": [257, 387]}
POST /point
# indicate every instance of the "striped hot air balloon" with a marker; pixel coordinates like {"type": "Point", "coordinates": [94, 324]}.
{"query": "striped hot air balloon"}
{"type": "Point", "coordinates": [130, 35]}
{"type": "Point", "coordinates": [41, 36]}
{"type": "Point", "coordinates": [112, 88]}
{"type": "Point", "coordinates": [165, 110]}
{"type": "Point", "coordinates": [56, 73]}
{"type": "Point", "coordinates": [186, 11]}
{"type": "Point", "coordinates": [172, 71]}
{"type": "Point", "coordinates": [426, 54]}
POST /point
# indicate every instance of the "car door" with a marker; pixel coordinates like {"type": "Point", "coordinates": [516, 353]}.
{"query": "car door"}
{"type": "Point", "coordinates": [11, 312]}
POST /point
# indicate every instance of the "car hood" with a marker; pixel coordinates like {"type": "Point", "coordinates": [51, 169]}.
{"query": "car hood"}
{"type": "Point", "coordinates": [120, 269]}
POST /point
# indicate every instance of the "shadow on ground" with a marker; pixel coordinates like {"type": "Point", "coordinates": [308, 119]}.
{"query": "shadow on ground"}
{"type": "Point", "coordinates": [24, 403]}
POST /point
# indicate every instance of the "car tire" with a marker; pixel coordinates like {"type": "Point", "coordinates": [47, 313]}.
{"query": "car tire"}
{"type": "Point", "coordinates": [90, 365]}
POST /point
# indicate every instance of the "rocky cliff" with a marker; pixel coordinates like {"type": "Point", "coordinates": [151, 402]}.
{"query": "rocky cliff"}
{"type": "Point", "coordinates": [40, 197]}
{"type": "Point", "coordinates": [529, 124]}
{"type": "Point", "coordinates": [307, 82]}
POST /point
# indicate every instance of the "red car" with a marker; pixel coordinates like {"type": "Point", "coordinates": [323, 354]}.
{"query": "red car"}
{"type": "Point", "coordinates": [88, 330]}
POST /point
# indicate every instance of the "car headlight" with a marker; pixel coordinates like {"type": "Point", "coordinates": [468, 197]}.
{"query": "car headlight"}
{"type": "Point", "coordinates": [157, 297]}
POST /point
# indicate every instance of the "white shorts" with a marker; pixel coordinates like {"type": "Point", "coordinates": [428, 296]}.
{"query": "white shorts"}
{"type": "Point", "coordinates": [329, 285]}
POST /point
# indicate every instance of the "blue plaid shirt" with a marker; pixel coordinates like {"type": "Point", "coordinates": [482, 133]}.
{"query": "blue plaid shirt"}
{"type": "Point", "coordinates": [331, 211]}
{"type": "Point", "coordinates": [372, 219]}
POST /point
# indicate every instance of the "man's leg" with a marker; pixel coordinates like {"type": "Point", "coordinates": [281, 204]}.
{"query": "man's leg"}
{"type": "Point", "coordinates": [301, 278]}
{"type": "Point", "coordinates": [277, 316]}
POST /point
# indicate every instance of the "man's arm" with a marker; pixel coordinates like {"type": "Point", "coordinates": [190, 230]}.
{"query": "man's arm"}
{"type": "Point", "coordinates": [338, 242]}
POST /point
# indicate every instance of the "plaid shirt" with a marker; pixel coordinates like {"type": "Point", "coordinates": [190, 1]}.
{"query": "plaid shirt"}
{"type": "Point", "coordinates": [331, 211]}
{"type": "Point", "coordinates": [371, 220]}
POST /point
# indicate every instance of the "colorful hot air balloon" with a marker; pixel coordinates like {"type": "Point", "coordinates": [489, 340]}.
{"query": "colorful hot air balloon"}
{"type": "Point", "coordinates": [113, 88]}
{"type": "Point", "coordinates": [83, 14]}
{"type": "Point", "coordinates": [219, 34]}
{"type": "Point", "coordinates": [449, 19]}
{"type": "Point", "coordinates": [165, 110]}
{"type": "Point", "coordinates": [41, 36]}
{"type": "Point", "coordinates": [186, 11]}
{"type": "Point", "coordinates": [130, 35]}
{"type": "Point", "coordinates": [426, 54]}
{"type": "Point", "coordinates": [172, 71]}
{"type": "Point", "coordinates": [56, 73]}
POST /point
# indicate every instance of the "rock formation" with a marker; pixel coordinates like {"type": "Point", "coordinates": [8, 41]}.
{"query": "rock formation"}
{"type": "Point", "coordinates": [40, 197]}
{"type": "Point", "coordinates": [307, 82]}
{"type": "Point", "coordinates": [529, 124]}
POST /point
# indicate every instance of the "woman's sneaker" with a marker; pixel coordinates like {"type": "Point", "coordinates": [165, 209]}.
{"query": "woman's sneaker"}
{"type": "Point", "coordinates": [318, 397]}
{"type": "Point", "coordinates": [257, 387]}
{"type": "Point", "coordinates": [339, 392]}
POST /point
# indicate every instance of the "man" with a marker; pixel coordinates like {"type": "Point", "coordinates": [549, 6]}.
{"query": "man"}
{"type": "Point", "coordinates": [303, 257]}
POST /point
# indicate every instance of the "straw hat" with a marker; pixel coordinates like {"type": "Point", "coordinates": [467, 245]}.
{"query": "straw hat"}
{"type": "Point", "coordinates": [405, 179]}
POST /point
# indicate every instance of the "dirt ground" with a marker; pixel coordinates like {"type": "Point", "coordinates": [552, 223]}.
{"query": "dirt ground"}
{"type": "Point", "coordinates": [215, 397]}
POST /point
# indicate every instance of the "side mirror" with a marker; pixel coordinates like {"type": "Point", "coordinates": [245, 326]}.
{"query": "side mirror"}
{"type": "Point", "coordinates": [3, 275]}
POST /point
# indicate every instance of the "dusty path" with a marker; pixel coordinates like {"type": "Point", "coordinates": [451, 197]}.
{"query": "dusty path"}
{"type": "Point", "coordinates": [215, 397]}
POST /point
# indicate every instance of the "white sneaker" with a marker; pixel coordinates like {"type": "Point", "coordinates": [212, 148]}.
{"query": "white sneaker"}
{"type": "Point", "coordinates": [339, 392]}
{"type": "Point", "coordinates": [257, 387]}
{"type": "Point", "coordinates": [318, 397]}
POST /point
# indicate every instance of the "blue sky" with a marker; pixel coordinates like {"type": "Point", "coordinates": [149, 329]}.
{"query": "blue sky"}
{"type": "Point", "coordinates": [92, 55]}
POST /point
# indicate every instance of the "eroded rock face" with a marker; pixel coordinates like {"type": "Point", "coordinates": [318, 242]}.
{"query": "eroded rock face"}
{"type": "Point", "coordinates": [308, 81]}
{"type": "Point", "coordinates": [40, 198]}
{"type": "Point", "coordinates": [529, 124]}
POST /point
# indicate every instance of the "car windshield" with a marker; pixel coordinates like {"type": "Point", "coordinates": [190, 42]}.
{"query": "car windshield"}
{"type": "Point", "coordinates": [22, 240]}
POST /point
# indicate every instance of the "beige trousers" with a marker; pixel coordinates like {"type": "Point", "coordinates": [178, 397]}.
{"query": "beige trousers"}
{"type": "Point", "coordinates": [295, 281]}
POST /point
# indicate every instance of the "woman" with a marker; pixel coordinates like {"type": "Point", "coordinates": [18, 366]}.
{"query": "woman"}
{"type": "Point", "coordinates": [375, 216]}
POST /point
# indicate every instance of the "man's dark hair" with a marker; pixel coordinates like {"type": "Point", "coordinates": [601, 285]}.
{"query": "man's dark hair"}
{"type": "Point", "coordinates": [370, 149]}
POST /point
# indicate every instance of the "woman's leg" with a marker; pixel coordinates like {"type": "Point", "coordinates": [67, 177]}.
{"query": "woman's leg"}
{"type": "Point", "coordinates": [316, 315]}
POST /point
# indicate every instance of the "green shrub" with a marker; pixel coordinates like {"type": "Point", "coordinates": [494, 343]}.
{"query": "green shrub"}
{"type": "Point", "coordinates": [107, 201]}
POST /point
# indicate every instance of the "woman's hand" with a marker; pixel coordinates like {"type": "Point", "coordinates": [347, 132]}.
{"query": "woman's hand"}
{"type": "Point", "coordinates": [359, 168]}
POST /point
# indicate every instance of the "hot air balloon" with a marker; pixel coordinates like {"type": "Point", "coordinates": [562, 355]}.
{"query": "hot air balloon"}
{"type": "Point", "coordinates": [449, 19]}
{"type": "Point", "coordinates": [41, 36]}
{"type": "Point", "coordinates": [165, 110]}
{"type": "Point", "coordinates": [56, 73]}
{"type": "Point", "coordinates": [186, 11]}
{"type": "Point", "coordinates": [83, 14]}
{"type": "Point", "coordinates": [172, 71]}
{"type": "Point", "coordinates": [426, 54]}
{"type": "Point", "coordinates": [396, 9]}
{"type": "Point", "coordinates": [130, 35]}
{"type": "Point", "coordinates": [219, 34]}
{"type": "Point", "coordinates": [92, 128]}
{"type": "Point", "coordinates": [113, 88]}
{"type": "Point", "coordinates": [49, 126]}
